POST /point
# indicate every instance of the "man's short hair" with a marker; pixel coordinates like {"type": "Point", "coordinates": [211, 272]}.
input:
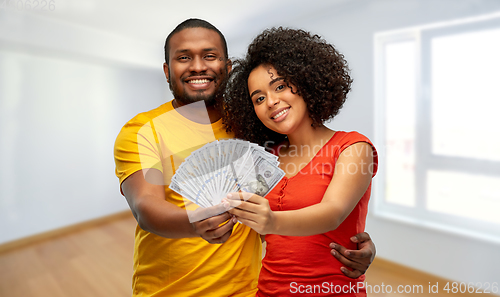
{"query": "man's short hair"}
{"type": "Point", "coordinates": [194, 23]}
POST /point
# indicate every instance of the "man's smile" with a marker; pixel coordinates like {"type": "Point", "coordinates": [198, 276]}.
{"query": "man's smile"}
{"type": "Point", "coordinates": [199, 82]}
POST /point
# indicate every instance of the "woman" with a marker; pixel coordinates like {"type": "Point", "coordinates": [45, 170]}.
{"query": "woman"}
{"type": "Point", "coordinates": [279, 96]}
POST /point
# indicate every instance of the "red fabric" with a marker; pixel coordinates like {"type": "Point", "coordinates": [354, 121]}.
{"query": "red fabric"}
{"type": "Point", "coordinates": [303, 265]}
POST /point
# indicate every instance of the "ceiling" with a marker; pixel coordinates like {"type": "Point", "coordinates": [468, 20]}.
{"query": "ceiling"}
{"type": "Point", "coordinates": [152, 20]}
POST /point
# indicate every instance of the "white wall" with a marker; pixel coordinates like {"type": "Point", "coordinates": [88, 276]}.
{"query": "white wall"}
{"type": "Point", "coordinates": [65, 92]}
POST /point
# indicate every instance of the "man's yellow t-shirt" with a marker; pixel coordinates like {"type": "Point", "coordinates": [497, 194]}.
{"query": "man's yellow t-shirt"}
{"type": "Point", "coordinates": [161, 139]}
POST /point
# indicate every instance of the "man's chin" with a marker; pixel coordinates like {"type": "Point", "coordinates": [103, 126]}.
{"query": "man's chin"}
{"type": "Point", "coordinates": [184, 98]}
{"type": "Point", "coordinates": [209, 100]}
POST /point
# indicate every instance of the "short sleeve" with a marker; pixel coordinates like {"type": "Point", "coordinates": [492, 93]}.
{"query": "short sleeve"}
{"type": "Point", "coordinates": [136, 148]}
{"type": "Point", "coordinates": [350, 138]}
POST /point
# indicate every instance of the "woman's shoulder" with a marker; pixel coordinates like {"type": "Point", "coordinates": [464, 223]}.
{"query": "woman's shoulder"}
{"type": "Point", "coordinates": [348, 138]}
{"type": "Point", "coordinates": [342, 140]}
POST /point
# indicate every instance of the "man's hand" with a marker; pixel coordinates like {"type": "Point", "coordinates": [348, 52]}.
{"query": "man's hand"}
{"type": "Point", "coordinates": [211, 229]}
{"type": "Point", "coordinates": [358, 260]}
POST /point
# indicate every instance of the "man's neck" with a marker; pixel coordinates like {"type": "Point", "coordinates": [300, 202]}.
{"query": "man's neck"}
{"type": "Point", "coordinates": [197, 112]}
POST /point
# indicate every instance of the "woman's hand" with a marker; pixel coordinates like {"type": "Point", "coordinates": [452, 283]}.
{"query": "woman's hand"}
{"type": "Point", "coordinates": [251, 210]}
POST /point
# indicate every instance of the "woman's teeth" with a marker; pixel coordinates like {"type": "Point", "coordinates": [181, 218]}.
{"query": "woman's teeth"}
{"type": "Point", "coordinates": [281, 113]}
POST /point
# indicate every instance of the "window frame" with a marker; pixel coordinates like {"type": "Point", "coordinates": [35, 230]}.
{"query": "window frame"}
{"type": "Point", "coordinates": [425, 159]}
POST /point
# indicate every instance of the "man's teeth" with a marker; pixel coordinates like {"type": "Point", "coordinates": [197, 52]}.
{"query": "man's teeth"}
{"type": "Point", "coordinates": [199, 81]}
{"type": "Point", "coordinates": [281, 113]}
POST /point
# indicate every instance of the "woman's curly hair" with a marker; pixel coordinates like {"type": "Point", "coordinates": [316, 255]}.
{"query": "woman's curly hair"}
{"type": "Point", "coordinates": [317, 70]}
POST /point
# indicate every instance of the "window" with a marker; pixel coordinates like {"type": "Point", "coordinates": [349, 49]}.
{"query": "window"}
{"type": "Point", "coordinates": [437, 92]}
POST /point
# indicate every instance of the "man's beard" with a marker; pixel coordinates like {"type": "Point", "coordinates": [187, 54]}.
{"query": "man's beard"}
{"type": "Point", "coordinates": [187, 99]}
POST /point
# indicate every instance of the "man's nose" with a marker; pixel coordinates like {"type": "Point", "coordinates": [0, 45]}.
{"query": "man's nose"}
{"type": "Point", "coordinates": [198, 65]}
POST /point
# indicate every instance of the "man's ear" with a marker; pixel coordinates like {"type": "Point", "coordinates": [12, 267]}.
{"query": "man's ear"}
{"type": "Point", "coordinates": [165, 70]}
{"type": "Point", "coordinates": [229, 65]}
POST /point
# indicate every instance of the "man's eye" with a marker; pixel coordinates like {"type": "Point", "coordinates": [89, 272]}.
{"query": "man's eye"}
{"type": "Point", "coordinates": [183, 58]}
{"type": "Point", "coordinates": [280, 87]}
{"type": "Point", "coordinates": [210, 57]}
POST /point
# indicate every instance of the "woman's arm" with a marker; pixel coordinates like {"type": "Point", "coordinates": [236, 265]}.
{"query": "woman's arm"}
{"type": "Point", "coordinates": [350, 181]}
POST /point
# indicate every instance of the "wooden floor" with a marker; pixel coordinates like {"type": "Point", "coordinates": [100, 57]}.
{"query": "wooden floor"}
{"type": "Point", "coordinates": [406, 282]}
{"type": "Point", "coordinates": [97, 261]}
{"type": "Point", "coordinates": [94, 262]}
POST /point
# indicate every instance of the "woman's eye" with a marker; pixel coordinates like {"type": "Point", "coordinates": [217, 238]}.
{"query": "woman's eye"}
{"type": "Point", "coordinates": [259, 99]}
{"type": "Point", "coordinates": [280, 87]}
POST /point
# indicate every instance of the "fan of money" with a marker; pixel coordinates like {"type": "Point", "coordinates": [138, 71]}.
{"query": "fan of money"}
{"type": "Point", "coordinates": [224, 166]}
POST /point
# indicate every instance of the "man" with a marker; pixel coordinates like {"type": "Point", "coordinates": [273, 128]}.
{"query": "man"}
{"type": "Point", "coordinates": [172, 256]}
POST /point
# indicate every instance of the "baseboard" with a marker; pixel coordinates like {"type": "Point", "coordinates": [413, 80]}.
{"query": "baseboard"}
{"type": "Point", "coordinates": [422, 276]}
{"type": "Point", "coordinates": [18, 243]}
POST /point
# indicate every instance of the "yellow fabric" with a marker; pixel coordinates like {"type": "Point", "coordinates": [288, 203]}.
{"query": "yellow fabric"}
{"type": "Point", "coordinates": [187, 266]}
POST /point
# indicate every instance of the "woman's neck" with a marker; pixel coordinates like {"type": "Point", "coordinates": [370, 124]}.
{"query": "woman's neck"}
{"type": "Point", "coordinates": [310, 136]}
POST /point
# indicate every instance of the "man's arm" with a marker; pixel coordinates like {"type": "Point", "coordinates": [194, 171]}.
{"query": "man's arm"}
{"type": "Point", "coordinates": [358, 260]}
{"type": "Point", "coordinates": [156, 215]}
